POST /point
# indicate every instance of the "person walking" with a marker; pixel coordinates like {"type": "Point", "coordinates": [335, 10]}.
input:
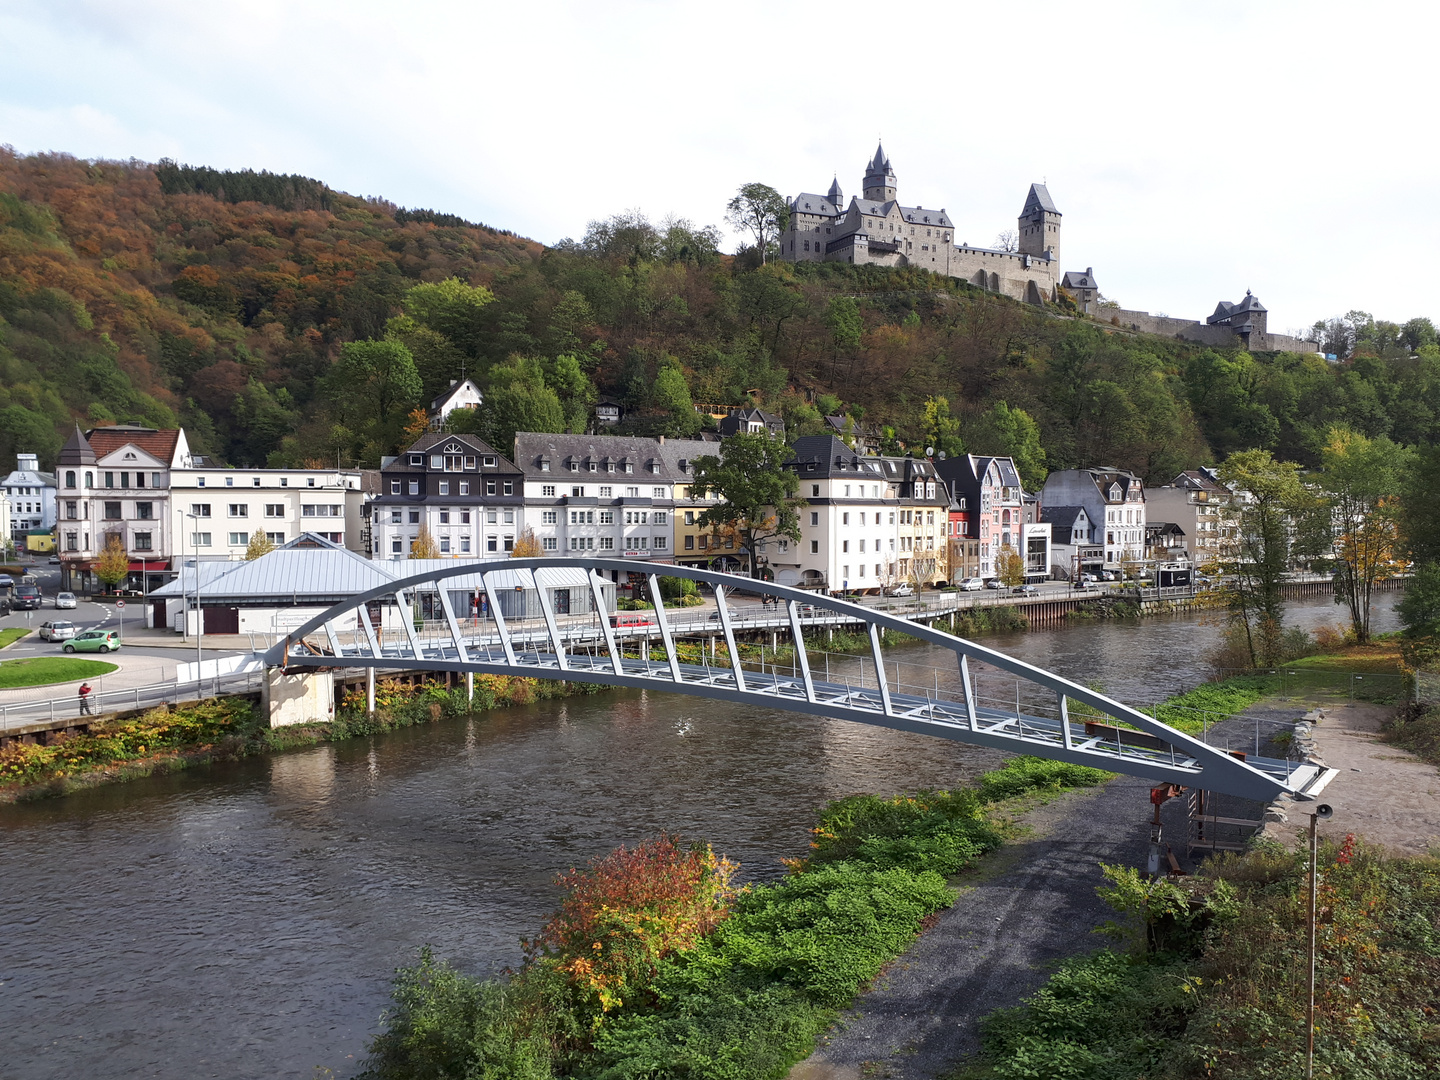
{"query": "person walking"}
{"type": "Point", "coordinates": [85, 693]}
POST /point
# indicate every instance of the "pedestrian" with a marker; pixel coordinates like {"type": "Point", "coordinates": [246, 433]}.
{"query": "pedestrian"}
{"type": "Point", "coordinates": [85, 692]}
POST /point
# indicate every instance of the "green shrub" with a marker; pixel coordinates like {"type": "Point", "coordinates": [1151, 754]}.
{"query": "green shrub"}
{"type": "Point", "coordinates": [1026, 775]}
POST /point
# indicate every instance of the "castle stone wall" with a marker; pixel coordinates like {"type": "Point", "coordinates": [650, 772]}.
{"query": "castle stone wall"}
{"type": "Point", "coordinates": [1203, 333]}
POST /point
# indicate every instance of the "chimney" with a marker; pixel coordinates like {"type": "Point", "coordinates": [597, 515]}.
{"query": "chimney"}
{"type": "Point", "coordinates": [662, 439]}
{"type": "Point", "coordinates": [454, 381]}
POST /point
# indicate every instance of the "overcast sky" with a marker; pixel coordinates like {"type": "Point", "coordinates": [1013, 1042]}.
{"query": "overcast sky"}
{"type": "Point", "coordinates": [1195, 150]}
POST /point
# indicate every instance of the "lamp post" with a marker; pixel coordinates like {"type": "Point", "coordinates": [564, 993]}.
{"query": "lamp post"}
{"type": "Point", "coordinates": [199, 624]}
{"type": "Point", "coordinates": [1321, 811]}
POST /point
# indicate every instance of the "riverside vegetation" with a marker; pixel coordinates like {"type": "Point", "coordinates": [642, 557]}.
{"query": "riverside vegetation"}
{"type": "Point", "coordinates": [657, 965]}
{"type": "Point", "coordinates": [1208, 980]}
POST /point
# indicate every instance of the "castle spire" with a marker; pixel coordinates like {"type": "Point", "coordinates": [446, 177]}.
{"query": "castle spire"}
{"type": "Point", "coordinates": [879, 177]}
{"type": "Point", "coordinates": [835, 195]}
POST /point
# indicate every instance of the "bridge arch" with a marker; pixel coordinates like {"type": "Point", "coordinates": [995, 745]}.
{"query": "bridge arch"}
{"type": "Point", "coordinates": [1048, 716]}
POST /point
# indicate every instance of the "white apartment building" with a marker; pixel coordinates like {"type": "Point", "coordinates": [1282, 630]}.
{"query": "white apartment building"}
{"type": "Point", "coordinates": [219, 510]}
{"type": "Point", "coordinates": [28, 496]}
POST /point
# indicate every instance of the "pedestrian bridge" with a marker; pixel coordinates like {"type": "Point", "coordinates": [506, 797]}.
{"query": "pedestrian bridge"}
{"type": "Point", "coordinates": [510, 626]}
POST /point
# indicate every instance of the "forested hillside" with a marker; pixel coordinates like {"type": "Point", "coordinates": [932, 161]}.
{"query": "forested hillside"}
{"type": "Point", "coordinates": [281, 321]}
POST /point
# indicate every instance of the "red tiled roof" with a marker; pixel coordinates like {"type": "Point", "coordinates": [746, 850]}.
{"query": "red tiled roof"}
{"type": "Point", "coordinates": [158, 444]}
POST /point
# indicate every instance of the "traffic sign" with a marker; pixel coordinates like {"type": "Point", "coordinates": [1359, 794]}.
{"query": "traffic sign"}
{"type": "Point", "coordinates": [119, 603]}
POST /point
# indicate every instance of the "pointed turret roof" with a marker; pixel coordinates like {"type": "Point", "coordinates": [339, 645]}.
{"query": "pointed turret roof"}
{"type": "Point", "coordinates": [1039, 199]}
{"type": "Point", "coordinates": [880, 163]}
{"type": "Point", "coordinates": [76, 450]}
{"type": "Point", "coordinates": [835, 195]}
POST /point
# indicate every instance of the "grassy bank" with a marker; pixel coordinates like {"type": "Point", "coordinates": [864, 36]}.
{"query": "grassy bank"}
{"type": "Point", "coordinates": [656, 966]}
{"type": "Point", "coordinates": [226, 729]}
{"type": "Point", "coordinates": [12, 634]}
{"type": "Point", "coordinates": [1210, 980]}
{"type": "Point", "coordinates": [44, 670]}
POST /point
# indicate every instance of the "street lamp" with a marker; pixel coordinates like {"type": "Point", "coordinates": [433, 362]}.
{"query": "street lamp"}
{"type": "Point", "coordinates": [199, 623]}
{"type": "Point", "coordinates": [1321, 811]}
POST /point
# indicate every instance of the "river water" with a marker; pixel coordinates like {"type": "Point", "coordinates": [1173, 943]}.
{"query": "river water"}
{"type": "Point", "coordinates": [243, 920]}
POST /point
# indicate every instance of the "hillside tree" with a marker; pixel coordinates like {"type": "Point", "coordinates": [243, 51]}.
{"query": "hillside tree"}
{"type": "Point", "coordinates": [761, 211]}
{"type": "Point", "coordinates": [757, 492]}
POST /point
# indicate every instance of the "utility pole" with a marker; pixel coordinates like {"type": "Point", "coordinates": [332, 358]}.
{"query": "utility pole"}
{"type": "Point", "coordinates": [1321, 811]}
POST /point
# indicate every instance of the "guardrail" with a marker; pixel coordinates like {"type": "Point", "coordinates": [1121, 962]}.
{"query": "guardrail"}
{"type": "Point", "coordinates": [23, 713]}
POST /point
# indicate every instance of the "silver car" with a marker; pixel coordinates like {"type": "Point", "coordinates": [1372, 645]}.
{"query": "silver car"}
{"type": "Point", "coordinates": [57, 631]}
{"type": "Point", "coordinates": [65, 600]}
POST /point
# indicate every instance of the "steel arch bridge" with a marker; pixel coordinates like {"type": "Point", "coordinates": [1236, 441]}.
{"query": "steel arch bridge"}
{"type": "Point", "coordinates": [413, 624]}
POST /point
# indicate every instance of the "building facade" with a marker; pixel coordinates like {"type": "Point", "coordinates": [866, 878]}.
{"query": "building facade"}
{"type": "Point", "coordinates": [29, 498]}
{"type": "Point", "coordinates": [222, 509]}
{"type": "Point", "coordinates": [1114, 501]}
{"type": "Point", "coordinates": [992, 503]}
{"type": "Point", "coordinates": [1205, 510]}
{"type": "Point", "coordinates": [463, 492]}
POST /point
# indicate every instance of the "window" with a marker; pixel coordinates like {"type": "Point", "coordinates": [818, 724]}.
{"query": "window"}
{"type": "Point", "coordinates": [72, 540]}
{"type": "Point", "coordinates": [814, 547]}
{"type": "Point", "coordinates": [414, 517]}
{"type": "Point", "coordinates": [285, 481]}
{"type": "Point", "coordinates": [69, 478]}
{"type": "Point", "coordinates": [464, 517]}
{"type": "Point", "coordinates": [862, 544]}
{"type": "Point", "coordinates": [142, 542]}
{"type": "Point", "coordinates": [689, 543]}
{"type": "Point", "coordinates": [444, 517]}
{"type": "Point", "coordinates": [444, 487]}
{"type": "Point", "coordinates": [607, 517]}
{"type": "Point", "coordinates": [397, 516]}
{"type": "Point", "coordinates": [658, 493]}
{"type": "Point", "coordinates": [814, 518]}
{"type": "Point", "coordinates": [844, 545]}
{"type": "Point", "coordinates": [445, 545]}
{"type": "Point", "coordinates": [414, 487]}
{"type": "Point", "coordinates": [658, 518]}
{"type": "Point", "coordinates": [862, 519]}
{"type": "Point", "coordinates": [847, 491]}
{"type": "Point", "coordinates": [274, 510]}
{"type": "Point", "coordinates": [276, 538]}
{"type": "Point", "coordinates": [548, 490]}
{"type": "Point", "coordinates": [548, 517]}
{"type": "Point", "coordinates": [200, 539]}
{"type": "Point", "coordinates": [814, 490]}
{"type": "Point", "coordinates": [660, 543]}
{"type": "Point", "coordinates": [632, 492]}
{"type": "Point", "coordinates": [469, 462]}
{"type": "Point", "coordinates": [844, 519]}
{"type": "Point", "coordinates": [112, 511]}
{"type": "Point", "coordinates": [465, 545]}
{"type": "Point", "coordinates": [394, 487]}
{"type": "Point", "coordinates": [72, 510]}
{"type": "Point", "coordinates": [90, 480]}
{"type": "Point", "coordinates": [629, 466]}
{"type": "Point", "coordinates": [417, 459]}
{"type": "Point", "coordinates": [109, 479]}
{"type": "Point", "coordinates": [397, 546]}
{"type": "Point", "coordinates": [509, 517]}
{"type": "Point", "coordinates": [239, 539]}
{"type": "Point", "coordinates": [199, 480]}
{"type": "Point", "coordinates": [453, 462]}
{"type": "Point", "coordinates": [607, 492]}
{"type": "Point", "coordinates": [489, 461]}
{"type": "Point", "coordinates": [200, 509]}
{"type": "Point", "coordinates": [437, 461]}
{"type": "Point", "coordinates": [509, 487]}
{"type": "Point", "coordinates": [145, 511]}
{"type": "Point", "coordinates": [229, 481]}
{"type": "Point", "coordinates": [309, 481]}
{"type": "Point", "coordinates": [464, 487]}
{"type": "Point", "coordinates": [704, 542]}
{"type": "Point", "coordinates": [549, 543]}
{"type": "Point", "coordinates": [577, 492]}
{"type": "Point", "coordinates": [489, 487]}
{"type": "Point", "coordinates": [139, 479]}
{"type": "Point", "coordinates": [239, 510]}
{"type": "Point", "coordinates": [491, 517]}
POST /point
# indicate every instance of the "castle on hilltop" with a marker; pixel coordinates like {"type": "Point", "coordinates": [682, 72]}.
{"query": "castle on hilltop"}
{"type": "Point", "coordinates": [875, 229]}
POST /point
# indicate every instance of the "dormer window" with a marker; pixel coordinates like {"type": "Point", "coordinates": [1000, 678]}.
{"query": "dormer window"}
{"type": "Point", "coordinates": [417, 459]}
{"type": "Point", "coordinates": [544, 464]}
{"type": "Point", "coordinates": [489, 461]}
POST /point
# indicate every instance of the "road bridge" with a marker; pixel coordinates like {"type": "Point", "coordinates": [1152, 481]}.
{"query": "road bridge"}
{"type": "Point", "coordinates": [985, 698]}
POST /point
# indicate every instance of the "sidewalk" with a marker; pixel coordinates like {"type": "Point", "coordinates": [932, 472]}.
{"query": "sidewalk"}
{"type": "Point", "coordinates": [133, 671]}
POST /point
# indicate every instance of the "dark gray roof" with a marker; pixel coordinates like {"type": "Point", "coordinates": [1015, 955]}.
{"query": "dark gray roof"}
{"type": "Point", "coordinates": [76, 450]}
{"type": "Point", "coordinates": [1039, 199]}
{"type": "Point", "coordinates": [807, 203]}
{"type": "Point", "coordinates": [1075, 279]}
{"type": "Point", "coordinates": [531, 446]}
{"type": "Point", "coordinates": [1062, 515]}
{"type": "Point", "coordinates": [873, 207]}
{"type": "Point", "coordinates": [835, 195]}
{"type": "Point", "coordinates": [1225, 311]}
{"type": "Point", "coordinates": [880, 163]}
{"type": "Point", "coordinates": [920, 216]}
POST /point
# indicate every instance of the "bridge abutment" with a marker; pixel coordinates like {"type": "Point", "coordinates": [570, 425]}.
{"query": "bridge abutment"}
{"type": "Point", "coordinates": [303, 697]}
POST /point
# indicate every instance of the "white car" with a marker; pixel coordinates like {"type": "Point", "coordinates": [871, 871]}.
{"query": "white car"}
{"type": "Point", "coordinates": [994, 583]}
{"type": "Point", "coordinates": [903, 590]}
{"type": "Point", "coordinates": [65, 600]}
{"type": "Point", "coordinates": [971, 584]}
{"type": "Point", "coordinates": [57, 631]}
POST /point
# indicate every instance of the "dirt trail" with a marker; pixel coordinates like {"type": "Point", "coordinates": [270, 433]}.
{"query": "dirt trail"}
{"type": "Point", "coordinates": [1031, 905]}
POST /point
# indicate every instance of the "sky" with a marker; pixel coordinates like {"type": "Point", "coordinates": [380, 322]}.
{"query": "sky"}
{"type": "Point", "coordinates": [1195, 150]}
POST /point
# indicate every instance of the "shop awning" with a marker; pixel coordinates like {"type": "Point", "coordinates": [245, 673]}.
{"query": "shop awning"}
{"type": "Point", "coordinates": [149, 567]}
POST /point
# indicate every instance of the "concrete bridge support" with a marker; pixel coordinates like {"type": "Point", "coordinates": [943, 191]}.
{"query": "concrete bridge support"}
{"type": "Point", "coordinates": [301, 697]}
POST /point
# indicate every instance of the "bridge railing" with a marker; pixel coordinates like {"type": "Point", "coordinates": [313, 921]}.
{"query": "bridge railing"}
{"type": "Point", "coordinates": [1046, 715]}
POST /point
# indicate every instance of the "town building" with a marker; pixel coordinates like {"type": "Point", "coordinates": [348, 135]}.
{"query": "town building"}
{"type": "Point", "coordinates": [223, 508]}
{"type": "Point", "coordinates": [1205, 510]}
{"type": "Point", "coordinates": [697, 545]}
{"type": "Point", "coordinates": [461, 394]}
{"type": "Point", "coordinates": [467, 495]}
{"type": "Point", "coordinates": [993, 504]}
{"type": "Point", "coordinates": [1073, 547]}
{"type": "Point", "coordinates": [1082, 289]}
{"type": "Point", "coordinates": [29, 499]}
{"type": "Point", "coordinates": [608, 412]}
{"type": "Point", "coordinates": [1114, 501]}
{"type": "Point", "coordinates": [115, 482]}
{"type": "Point", "coordinates": [865, 438]}
{"type": "Point", "coordinates": [872, 522]}
{"type": "Point", "coordinates": [608, 496]}
{"type": "Point", "coordinates": [752, 422]}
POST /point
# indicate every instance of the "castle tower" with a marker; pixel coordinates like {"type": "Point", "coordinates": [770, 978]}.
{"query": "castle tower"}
{"type": "Point", "coordinates": [835, 195]}
{"type": "Point", "coordinates": [1040, 225]}
{"type": "Point", "coordinates": [880, 177]}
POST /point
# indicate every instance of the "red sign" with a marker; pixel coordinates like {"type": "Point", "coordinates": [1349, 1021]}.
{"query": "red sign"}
{"type": "Point", "coordinates": [119, 603]}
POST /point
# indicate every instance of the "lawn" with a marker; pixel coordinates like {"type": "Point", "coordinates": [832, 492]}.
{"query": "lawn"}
{"type": "Point", "coordinates": [11, 635]}
{"type": "Point", "coordinates": [43, 670]}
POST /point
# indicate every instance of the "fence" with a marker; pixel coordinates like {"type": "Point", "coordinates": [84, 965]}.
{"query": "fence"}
{"type": "Point", "coordinates": [21, 714]}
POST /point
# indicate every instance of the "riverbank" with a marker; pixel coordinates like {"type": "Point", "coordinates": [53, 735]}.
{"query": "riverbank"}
{"type": "Point", "coordinates": [625, 982]}
{"type": "Point", "coordinates": [172, 739]}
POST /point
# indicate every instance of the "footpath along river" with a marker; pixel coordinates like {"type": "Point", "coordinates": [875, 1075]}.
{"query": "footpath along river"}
{"type": "Point", "coordinates": [244, 920]}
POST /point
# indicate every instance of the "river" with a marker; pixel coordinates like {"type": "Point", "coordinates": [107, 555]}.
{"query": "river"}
{"type": "Point", "coordinates": [243, 920]}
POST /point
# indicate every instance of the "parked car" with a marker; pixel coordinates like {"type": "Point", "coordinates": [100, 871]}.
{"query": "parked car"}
{"type": "Point", "coordinates": [57, 631]}
{"type": "Point", "coordinates": [971, 584]}
{"type": "Point", "coordinates": [994, 583]}
{"type": "Point", "coordinates": [1026, 589]}
{"type": "Point", "coordinates": [94, 641]}
{"type": "Point", "coordinates": [632, 618]}
{"type": "Point", "coordinates": [1108, 575]}
{"type": "Point", "coordinates": [1088, 579]}
{"type": "Point", "coordinates": [6, 581]}
{"type": "Point", "coordinates": [64, 600]}
{"type": "Point", "coordinates": [903, 589]}
{"type": "Point", "coordinates": [54, 560]}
